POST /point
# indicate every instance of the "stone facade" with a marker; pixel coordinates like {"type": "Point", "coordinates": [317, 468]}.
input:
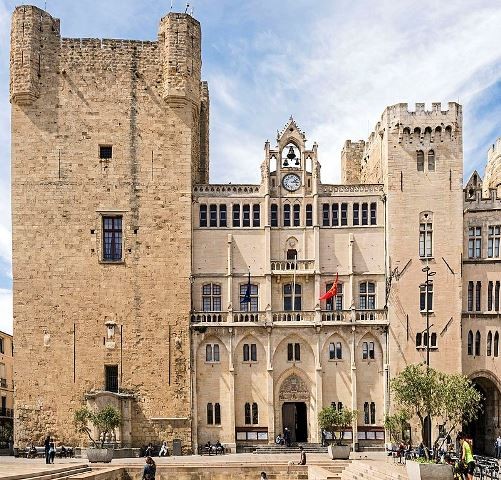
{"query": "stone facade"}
{"type": "Point", "coordinates": [104, 129]}
{"type": "Point", "coordinates": [130, 267]}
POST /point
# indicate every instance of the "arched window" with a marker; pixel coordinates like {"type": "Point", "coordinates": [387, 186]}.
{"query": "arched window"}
{"type": "Point", "coordinates": [368, 350]}
{"type": "Point", "coordinates": [470, 343]}
{"type": "Point", "coordinates": [478, 297]}
{"type": "Point", "coordinates": [247, 413]}
{"type": "Point", "coordinates": [208, 353]}
{"type": "Point", "coordinates": [335, 351]}
{"type": "Point", "coordinates": [367, 296]}
{"type": "Point", "coordinates": [309, 214]}
{"type": "Point", "coordinates": [287, 215]}
{"type": "Point", "coordinates": [433, 340]}
{"type": "Point", "coordinates": [420, 161]}
{"type": "Point", "coordinates": [292, 302]}
{"type": "Point", "coordinates": [489, 344]}
{"type": "Point", "coordinates": [211, 297]}
{"type": "Point", "coordinates": [255, 414]}
{"type": "Point", "coordinates": [217, 414]}
{"type": "Point", "coordinates": [216, 352]}
{"type": "Point", "coordinates": [419, 339]}
{"type": "Point", "coordinates": [210, 414]}
{"type": "Point", "coordinates": [431, 161]}
{"type": "Point", "coordinates": [297, 214]}
{"type": "Point", "coordinates": [477, 344]}
{"type": "Point", "coordinates": [274, 215]}
{"type": "Point", "coordinates": [496, 344]}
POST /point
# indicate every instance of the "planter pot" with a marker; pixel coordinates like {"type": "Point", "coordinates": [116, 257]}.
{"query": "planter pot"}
{"type": "Point", "coordinates": [339, 452]}
{"type": "Point", "coordinates": [100, 455]}
{"type": "Point", "coordinates": [428, 471]}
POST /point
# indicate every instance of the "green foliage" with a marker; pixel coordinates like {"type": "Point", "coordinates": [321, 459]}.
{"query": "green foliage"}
{"type": "Point", "coordinates": [396, 423]}
{"type": "Point", "coordinates": [331, 419]}
{"type": "Point", "coordinates": [105, 420]}
{"type": "Point", "coordinates": [449, 396]}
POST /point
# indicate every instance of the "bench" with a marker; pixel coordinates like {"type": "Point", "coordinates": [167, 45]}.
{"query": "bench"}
{"type": "Point", "coordinates": [212, 450]}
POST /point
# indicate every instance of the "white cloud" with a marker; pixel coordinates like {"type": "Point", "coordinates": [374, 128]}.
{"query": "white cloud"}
{"type": "Point", "coordinates": [6, 310]}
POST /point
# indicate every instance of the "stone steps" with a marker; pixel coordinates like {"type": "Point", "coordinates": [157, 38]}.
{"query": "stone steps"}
{"type": "Point", "coordinates": [292, 450]}
{"type": "Point", "coordinates": [58, 473]}
{"type": "Point", "coordinates": [358, 470]}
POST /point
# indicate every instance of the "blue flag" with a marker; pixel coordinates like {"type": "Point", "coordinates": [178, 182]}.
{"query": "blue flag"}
{"type": "Point", "coordinates": [247, 296]}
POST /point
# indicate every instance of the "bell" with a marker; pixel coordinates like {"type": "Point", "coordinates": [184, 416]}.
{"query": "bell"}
{"type": "Point", "coordinates": [297, 162]}
{"type": "Point", "coordinates": [291, 155]}
{"type": "Point", "coordinates": [286, 163]}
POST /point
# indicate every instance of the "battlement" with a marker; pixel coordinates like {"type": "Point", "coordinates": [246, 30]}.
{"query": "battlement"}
{"type": "Point", "coordinates": [494, 151]}
{"type": "Point", "coordinates": [402, 109]}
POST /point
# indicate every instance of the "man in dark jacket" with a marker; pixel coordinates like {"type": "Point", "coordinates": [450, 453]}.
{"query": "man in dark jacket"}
{"type": "Point", "coordinates": [47, 449]}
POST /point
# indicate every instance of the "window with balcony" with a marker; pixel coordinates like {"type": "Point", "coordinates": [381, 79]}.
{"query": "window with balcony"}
{"type": "Point", "coordinates": [203, 215]}
{"type": "Point", "coordinates": [287, 215]}
{"type": "Point", "coordinates": [212, 215]}
{"type": "Point", "coordinates": [251, 306]}
{"type": "Point", "coordinates": [493, 241]}
{"type": "Point", "coordinates": [309, 215]}
{"type": "Point", "coordinates": [212, 353]}
{"type": "Point", "coordinates": [325, 214]}
{"type": "Point", "coordinates": [335, 214]}
{"type": "Point", "coordinates": [367, 296]}
{"type": "Point", "coordinates": [470, 343]}
{"type": "Point", "coordinates": [112, 238]}
{"type": "Point", "coordinates": [292, 300]}
{"type": "Point", "coordinates": [293, 352]}
{"type": "Point", "coordinates": [274, 215]}
{"type": "Point", "coordinates": [356, 214]}
{"type": "Point", "coordinates": [365, 214]}
{"type": "Point", "coordinates": [111, 378]}
{"type": "Point", "coordinates": [297, 214]}
{"type": "Point", "coordinates": [245, 215]}
{"type": "Point", "coordinates": [374, 213]}
{"type": "Point", "coordinates": [475, 242]}
{"type": "Point", "coordinates": [368, 351]}
{"type": "Point", "coordinates": [335, 351]}
{"type": "Point", "coordinates": [250, 352]}
{"type": "Point", "coordinates": [211, 297]}
{"type": "Point", "coordinates": [344, 214]}
{"type": "Point", "coordinates": [336, 302]}
{"type": "Point", "coordinates": [256, 214]}
{"type": "Point", "coordinates": [222, 215]}
{"type": "Point", "coordinates": [425, 240]}
{"type": "Point", "coordinates": [236, 214]}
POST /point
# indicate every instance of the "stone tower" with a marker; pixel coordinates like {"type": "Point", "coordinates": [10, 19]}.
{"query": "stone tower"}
{"type": "Point", "coordinates": [108, 137]}
{"type": "Point", "coordinates": [418, 157]}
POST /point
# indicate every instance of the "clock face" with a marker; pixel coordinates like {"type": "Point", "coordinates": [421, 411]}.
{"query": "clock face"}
{"type": "Point", "coordinates": [291, 182]}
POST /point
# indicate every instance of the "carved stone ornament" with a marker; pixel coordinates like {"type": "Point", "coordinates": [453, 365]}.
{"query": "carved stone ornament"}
{"type": "Point", "coordinates": [294, 389]}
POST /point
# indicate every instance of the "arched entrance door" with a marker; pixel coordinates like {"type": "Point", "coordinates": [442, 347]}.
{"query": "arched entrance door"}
{"type": "Point", "coordinates": [294, 397]}
{"type": "Point", "coordinates": [486, 427]}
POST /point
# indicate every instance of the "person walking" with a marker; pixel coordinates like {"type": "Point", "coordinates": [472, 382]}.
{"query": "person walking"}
{"type": "Point", "coordinates": [46, 449]}
{"type": "Point", "coordinates": [287, 437]}
{"type": "Point", "coordinates": [497, 444]}
{"type": "Point", "coordinates": [149, 469]}
{"type": "Point", "coordinates": [52, 451]}
{"type": "Point", "coordinates": [466, 457]}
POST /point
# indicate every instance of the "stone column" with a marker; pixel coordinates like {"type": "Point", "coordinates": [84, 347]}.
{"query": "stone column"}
{"type": "Point", "coordinates": [353, 385]}
{"type": "Point", "coordinates": [229, 279]}
{"type": "Point", "coordinates": [316, 433]}
{"type": "Point", "coordinates": [231, 388]}
{"type": "Point", "coordinates": [270, 389]}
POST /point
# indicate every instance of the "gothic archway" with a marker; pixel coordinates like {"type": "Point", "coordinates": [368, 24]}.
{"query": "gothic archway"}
{"type": "Point", "coordinates": [293, 401]}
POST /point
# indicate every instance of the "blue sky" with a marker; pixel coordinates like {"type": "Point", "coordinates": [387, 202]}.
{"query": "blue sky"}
{"type": "Point", "coordinates": [333, 64]}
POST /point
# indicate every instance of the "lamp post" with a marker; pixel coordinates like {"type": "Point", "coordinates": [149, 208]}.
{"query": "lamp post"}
{"type": "Point", "coordinates": [427, 284]}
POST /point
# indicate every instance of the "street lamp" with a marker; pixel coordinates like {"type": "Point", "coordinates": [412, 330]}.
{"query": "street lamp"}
{"type": "Point", "coordinates": [427, 285]}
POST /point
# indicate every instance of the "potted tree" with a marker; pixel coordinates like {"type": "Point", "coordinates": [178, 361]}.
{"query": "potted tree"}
{"type": "Point", "coordinates": [337, 420]}
{"type": "Point", "coordinates": [105, 421]}
{"type": "Point", "coordinates": [426, 392]}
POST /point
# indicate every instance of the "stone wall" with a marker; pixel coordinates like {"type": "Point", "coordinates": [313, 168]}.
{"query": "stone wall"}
{"type": "Point", "coordinates": [69, 97]}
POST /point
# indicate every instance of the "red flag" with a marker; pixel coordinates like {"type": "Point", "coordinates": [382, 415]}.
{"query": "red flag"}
{"type": "Point", "coordinates": [332, 292]}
